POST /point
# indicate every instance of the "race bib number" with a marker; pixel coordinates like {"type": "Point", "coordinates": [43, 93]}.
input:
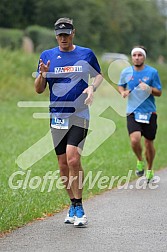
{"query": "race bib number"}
{"type": "Point", "coordinates": [142, 117]}
{"type": "Point", "coordinates": [59, 123]}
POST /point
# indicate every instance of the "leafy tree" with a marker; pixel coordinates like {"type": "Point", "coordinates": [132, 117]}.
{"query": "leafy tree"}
{"type": "Point", "coordinates": [17, 14]}
{"type": "Point", "coordinates": [86, 16]}
{"type": "Point", "coordinates": [147, 26]}
{"type": "Point", "coordinates": [104, 25]}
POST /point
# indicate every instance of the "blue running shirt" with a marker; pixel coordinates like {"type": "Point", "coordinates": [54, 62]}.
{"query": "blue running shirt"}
{"type": "Point", "coordinates": [131, 78]}
{"type": "Point", "coordinates": [68, 76]}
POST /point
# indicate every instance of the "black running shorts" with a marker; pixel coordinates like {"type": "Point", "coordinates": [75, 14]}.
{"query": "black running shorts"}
{"type": "Point", "coordinates": [75, 135]}
{"type": "Point", "coordinates": [147, 130]}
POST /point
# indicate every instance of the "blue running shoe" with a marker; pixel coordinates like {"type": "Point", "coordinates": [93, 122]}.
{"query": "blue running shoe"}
{"type": "Point", "coordinates": [80, 217]}
{"type": "Point", "coordinates": [70, 218]}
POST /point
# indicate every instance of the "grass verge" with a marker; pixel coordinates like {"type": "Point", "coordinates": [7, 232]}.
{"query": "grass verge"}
{"type": "Point", "coordinates": [19, 130]}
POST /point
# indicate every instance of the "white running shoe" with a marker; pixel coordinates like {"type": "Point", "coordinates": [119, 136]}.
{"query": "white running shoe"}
{"type": "Point", "coordinates": [70, 218]}
{"type": "Point", "coordinates": [80, 217]}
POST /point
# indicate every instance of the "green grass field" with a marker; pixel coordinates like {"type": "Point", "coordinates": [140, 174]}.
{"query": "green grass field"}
{"type": "Point", "coordinates": [19, 131]}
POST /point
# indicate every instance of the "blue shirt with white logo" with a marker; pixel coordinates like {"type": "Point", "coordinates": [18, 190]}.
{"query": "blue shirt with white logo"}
{"type": "Point", "coordinates": [67, 78]}
{"type": "Point", "coordinates": [139, 100]}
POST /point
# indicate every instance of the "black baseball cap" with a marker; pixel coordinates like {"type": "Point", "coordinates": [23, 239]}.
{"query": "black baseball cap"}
{"type": "Point", "coordinates": [64, 25]}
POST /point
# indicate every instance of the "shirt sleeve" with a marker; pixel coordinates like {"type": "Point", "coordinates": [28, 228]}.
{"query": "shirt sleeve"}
{"type": "Point", "coordinates": [94, 65]}
{"type": "Point", "coordinates": [122, 80]}
{"type": "Point", "coordinates": [156, 81]}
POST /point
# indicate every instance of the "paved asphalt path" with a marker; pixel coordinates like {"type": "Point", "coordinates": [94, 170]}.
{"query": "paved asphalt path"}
{"type": "Point", "coordinates": [131, 220]}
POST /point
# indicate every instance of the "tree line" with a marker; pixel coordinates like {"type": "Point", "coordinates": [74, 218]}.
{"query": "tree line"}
{"type": "Point", "coordinates": [104, 25]}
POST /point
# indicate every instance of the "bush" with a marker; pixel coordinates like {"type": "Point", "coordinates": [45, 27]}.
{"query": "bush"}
{"type": "Point", "coordinates": [42, 37]}
{"type": "Point", "coordinates": [11, 38]}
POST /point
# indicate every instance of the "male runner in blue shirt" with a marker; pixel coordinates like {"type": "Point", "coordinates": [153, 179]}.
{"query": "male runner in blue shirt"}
{"type": "Point", "coordinates": [67, 69]}
{"type": "Point", "coordinates": [140, 83]}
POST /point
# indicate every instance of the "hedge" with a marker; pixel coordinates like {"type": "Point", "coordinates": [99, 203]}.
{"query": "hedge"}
{"type": "Point", "coordinates": [11, 38]}
{"type": "Point", "coordinates": [42, 37]}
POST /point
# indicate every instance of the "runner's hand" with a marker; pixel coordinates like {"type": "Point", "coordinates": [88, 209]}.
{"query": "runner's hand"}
{"type": "Point", "coordinates": [144, 86]}
{"type": "Point", "coordinates": [42, 67]}
{"type": "Point", "coordinates": [125, 93]}
{"type": "Point", "coordinates": [89, 92]}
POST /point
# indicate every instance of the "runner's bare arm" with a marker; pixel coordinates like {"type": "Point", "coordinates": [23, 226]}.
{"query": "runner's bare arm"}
{"type": "Point", "coordinates": [124, 92]}
{"type": "Point", "coordinates": [40, 81]}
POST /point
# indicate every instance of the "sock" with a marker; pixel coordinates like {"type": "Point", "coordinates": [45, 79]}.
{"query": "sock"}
{"type": "Point", "coordinates": [73, 201]}
{"type": "Point", "coordinates": [78, 202]}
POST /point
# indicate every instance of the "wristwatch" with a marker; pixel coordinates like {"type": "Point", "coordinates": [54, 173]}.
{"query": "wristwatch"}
{"type": "Point", "coordinates": [94, 88]}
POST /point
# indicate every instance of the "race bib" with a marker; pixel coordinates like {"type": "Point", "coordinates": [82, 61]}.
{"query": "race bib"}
{"type": "Point", "coordinates": [59, 123]}
{"type": "Point", "coordinates": [142, 117]}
